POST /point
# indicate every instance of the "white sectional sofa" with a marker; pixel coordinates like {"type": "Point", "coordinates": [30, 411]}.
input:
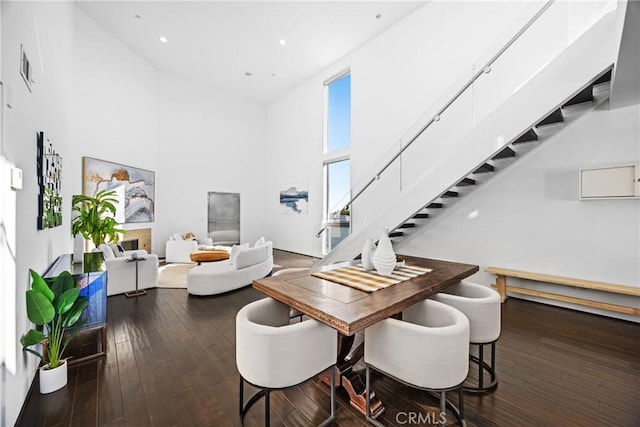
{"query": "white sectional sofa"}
{"type": "Point", "coordinates": [245, 265]}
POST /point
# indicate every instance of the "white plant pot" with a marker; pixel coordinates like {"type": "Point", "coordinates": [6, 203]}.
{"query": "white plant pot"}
{"type": "Point", "coordinates": [384, 258]}
{"type": "Point", "coordinates": [53, 379]}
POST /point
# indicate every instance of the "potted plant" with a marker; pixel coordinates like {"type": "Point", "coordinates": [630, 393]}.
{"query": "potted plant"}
{"type": "Point", "coordinates": [96, 217]}
{"type": "Point", "coordinates": [56, 308]}
{"type": "Point", "coordinates": [96, 221]}
{"type": "Point", "coordinates": [344, 214]}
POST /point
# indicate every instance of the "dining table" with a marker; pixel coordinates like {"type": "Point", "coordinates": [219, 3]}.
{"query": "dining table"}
{"type": "Point", "coordinates": [338, 296]}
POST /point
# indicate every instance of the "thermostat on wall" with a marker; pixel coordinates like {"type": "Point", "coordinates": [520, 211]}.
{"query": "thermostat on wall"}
{"type": "Point", "coordinates": [16, 178]}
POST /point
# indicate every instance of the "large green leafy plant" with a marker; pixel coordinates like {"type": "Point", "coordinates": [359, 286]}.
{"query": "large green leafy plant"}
{"type": "Point", "coordinates": [96, 217]}
{"type": "Point", "coordinates": [57, 309]}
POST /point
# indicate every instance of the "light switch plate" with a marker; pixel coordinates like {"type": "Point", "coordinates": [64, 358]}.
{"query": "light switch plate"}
{"type": "Point", "coordinates": [16, 178]}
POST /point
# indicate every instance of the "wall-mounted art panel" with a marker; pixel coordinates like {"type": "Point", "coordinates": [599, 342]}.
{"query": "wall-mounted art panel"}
{"type": "Point", "coordinates": [139, 186]}
{"type": "Point", "coordinates": [294, 198]}
{"type": "Point", "coordinates": [49, 167]}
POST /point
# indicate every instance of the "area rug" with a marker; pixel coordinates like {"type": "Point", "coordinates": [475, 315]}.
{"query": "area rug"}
{"type": "Point", "coordinates": [173, 275]}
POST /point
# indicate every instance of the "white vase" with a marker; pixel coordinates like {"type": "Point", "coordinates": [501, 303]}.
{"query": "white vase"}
{"type": "Point", "coordinates": [53, 379]}
{"type": "Point", "coordinates": [384, 259]}
{"type": "Point", "coordinates": [367, 254]}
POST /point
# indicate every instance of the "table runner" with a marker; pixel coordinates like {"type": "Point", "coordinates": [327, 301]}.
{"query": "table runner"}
{"type": "Point", "coordinates": [370, 281]}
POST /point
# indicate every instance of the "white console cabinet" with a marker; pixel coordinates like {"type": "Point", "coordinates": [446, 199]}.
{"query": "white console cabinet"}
{"type": "Point", "coordinates": [610, 182]}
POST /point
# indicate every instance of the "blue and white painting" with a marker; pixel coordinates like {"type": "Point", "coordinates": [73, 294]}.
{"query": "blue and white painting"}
{"type": "Point", "coordinates": [294, 198]}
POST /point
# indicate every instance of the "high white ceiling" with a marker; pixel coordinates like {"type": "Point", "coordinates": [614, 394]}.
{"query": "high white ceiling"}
{"type": "Point", "coordinates": [216, 42]}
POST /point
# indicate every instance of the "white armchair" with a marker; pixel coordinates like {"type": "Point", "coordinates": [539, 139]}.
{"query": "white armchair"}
{"type": "Point", "coordinates": [121, 275]}
{"type": "Point", "coordinates": [177, 248]}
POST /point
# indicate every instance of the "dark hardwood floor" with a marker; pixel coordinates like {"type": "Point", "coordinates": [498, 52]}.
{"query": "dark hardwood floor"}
{"type": "Point", "coordinates": [171, 362]}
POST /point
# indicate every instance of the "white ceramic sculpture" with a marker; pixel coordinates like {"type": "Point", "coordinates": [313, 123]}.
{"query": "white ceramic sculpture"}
{"type": "Point", "coordinates": [367, 254]}
{"type": "Point", "coordinates": [384, 259]}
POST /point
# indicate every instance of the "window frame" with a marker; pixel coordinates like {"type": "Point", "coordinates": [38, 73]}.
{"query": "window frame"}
{"type": "Point", "coordinates": [330, 157]}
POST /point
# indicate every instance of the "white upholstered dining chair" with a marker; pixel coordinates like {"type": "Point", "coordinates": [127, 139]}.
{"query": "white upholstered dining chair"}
{"type": "Point", "coordinates": [482, 307]}
{"type": "Point", "coordinates": [428, 349]}
{"type": "Point", "coordinates": [272, 354]}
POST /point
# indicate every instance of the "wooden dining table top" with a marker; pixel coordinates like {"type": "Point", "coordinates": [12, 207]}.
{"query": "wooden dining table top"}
{"type": "Point", "coordinates": [349, 310]}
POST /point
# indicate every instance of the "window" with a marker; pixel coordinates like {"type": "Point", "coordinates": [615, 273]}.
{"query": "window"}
{"type": "Point", "coordinates": [339, 114]}
{"type": "Point", "coordinates": [337, 176]}
{"type": "Point", "coordinates": [337, 179]}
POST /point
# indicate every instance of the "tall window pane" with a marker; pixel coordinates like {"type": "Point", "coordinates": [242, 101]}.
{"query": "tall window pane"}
{"type": "Point", "coordinates": [338, 174]}
{"type": "Point", "coordinates": [337, 195]}
{"type": "Point", "coordinates": [336, 160]}
{"type": "Point", "coordinates": [339, 114]}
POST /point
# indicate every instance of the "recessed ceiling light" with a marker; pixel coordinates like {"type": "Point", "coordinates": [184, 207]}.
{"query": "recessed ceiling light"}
{"type": "Point", "coordinates": [283, 42]}
{"type": "Point", "coordinates": [248, 73]}
{"type": "Point", "coordinates": [163, 39]}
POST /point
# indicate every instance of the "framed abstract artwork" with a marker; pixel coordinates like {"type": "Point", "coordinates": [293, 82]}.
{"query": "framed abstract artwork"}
{"type": "Point", "coordinates": [49, 167]}
{"type": "Point", "coordinates": [294, 198]}
{"type": "Point", "coordinates": [135, 185]}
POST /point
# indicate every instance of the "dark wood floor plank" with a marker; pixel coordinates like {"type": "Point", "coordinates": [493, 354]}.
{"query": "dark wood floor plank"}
{"type": "Point", "coordinates": [136, 411]}
{"type": "Point", "coordinates": [171, 362]}
{"type": "Point", "coordinates": [345, 418]}
{"type": "Point", "coordinates": [120, 328]}
{"type": "Point", "coordinates": [85, 408]}
{"type": "Point", "coordinates": [127, 364]}
{"type": "Point", "coordinates": [115, 423]}
{"type": "Point", "coordinates": [110, 407]}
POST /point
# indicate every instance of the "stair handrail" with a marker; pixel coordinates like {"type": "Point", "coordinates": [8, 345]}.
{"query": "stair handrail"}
{"type": "Point", "coordinates": [436, 117]}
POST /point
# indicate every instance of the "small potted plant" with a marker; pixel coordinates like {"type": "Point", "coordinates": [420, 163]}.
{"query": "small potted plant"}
{"type": "Point", "coordinates": [344, 214]}
{"type": "Point", "coordinates": [56, 309]}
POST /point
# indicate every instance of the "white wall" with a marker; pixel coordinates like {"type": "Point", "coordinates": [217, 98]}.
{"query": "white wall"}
{"type": "Point", "coordinates": [194, 138]}
{"type": "Point", "coordinates": [115, 95]}
{"type": "Point", "coordinates": [208, 141]}
{"type": "Point", "coordinates": [295, 155]}
{"type": "Point", "coordinates": [46, 31]}
{"type": "Point", "coordinates": [395, 78]}
{"type": "Point", "coordinates": [529, 216]}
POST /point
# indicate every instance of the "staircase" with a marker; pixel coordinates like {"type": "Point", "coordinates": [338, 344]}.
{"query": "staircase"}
{"type": "Point", "coordinates": [585, 100]}
{"type": "Point", "coordinates": [547, 103]}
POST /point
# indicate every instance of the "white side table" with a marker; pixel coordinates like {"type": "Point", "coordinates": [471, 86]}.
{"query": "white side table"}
{"type": "Point", "coordinates": [137, 292]}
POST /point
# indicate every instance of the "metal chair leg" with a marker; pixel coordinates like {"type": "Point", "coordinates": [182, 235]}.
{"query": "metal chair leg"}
{"type": "Point", "coordinates": [461, 404]}
{"type": "Point", "coordinates": [367, 391]}
{"type": "Point", "coordinates": [241, 398]}
{"type": "Point", "coordinates": [481, 366]}
{"type": "Point", "coordinates": [244, 408]}
{"type": "Point", "coordinates": [267, 410]}
{"type": "Point", "coordinates": [481, 388]}
{"type": "Point", "coordinates": [332, 417]}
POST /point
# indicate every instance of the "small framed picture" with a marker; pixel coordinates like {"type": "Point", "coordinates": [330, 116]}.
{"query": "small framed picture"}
{"type": "Point", "coordinates": [25, 68]}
